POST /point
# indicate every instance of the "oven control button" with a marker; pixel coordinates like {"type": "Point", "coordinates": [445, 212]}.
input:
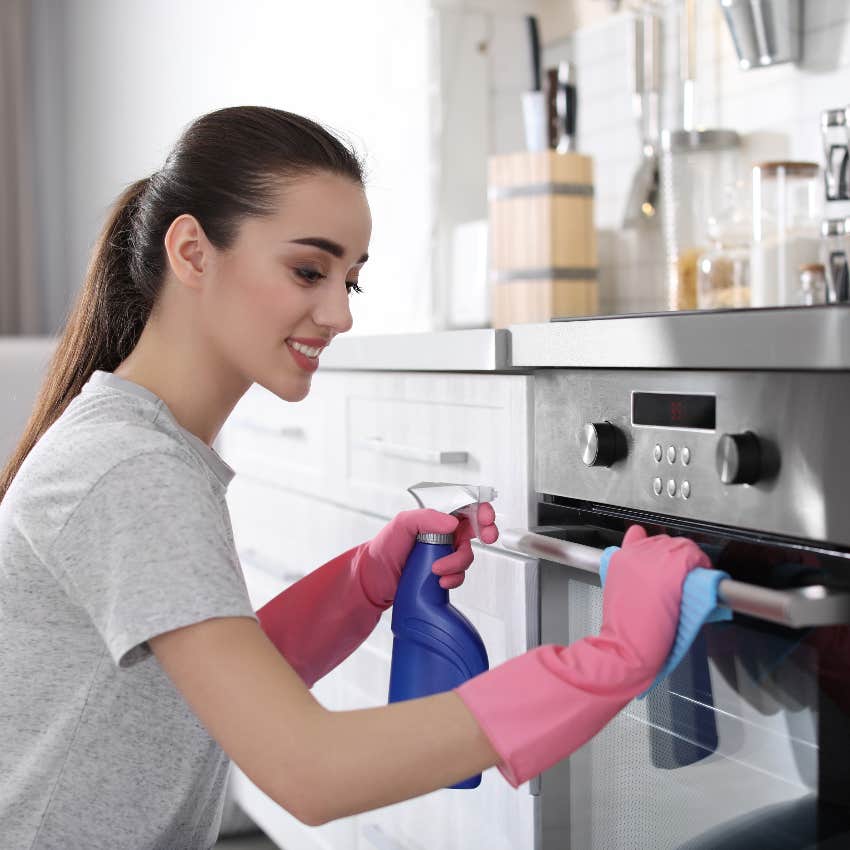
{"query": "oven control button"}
{"type": "Point", "coordinates": [738, 458]}
{"type": "Point", "coordinates": [658, 453]}
{"type": "Point", "coordinates": [657, 486]}
{"type": "Point", "coordinates": [602, 444]}
{"type": "Point", "coordinates": [671, 488]}
{"type": "Point", "coordinates": [671, 454]}
{"type": "Point", "coordinates": [685, 490]}
{"type": "Point", "coordinates": [686, 455]}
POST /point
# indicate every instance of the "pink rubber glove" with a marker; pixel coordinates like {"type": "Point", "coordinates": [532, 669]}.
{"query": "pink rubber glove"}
{"type": "Point", "coordinates": [320, 620]}
{"type": "Point", "coordinates": [382, 561]}
{"type": "Point", "coordinates": [541, 706]}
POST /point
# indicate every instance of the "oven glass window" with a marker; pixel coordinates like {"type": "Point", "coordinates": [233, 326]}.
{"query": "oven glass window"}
{"type": "Point", "coordinates": [745, 746]}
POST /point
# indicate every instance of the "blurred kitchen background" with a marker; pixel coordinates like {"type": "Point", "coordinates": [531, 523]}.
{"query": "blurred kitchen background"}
{"type": "Point", "coordinates": [430, 92]}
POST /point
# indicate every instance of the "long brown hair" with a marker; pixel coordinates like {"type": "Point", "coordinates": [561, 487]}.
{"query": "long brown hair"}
{"type": "Point", "coordinates": [226, 166]}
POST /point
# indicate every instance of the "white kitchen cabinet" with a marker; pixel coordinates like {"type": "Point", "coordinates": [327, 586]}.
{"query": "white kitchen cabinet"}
{"type": "Point", "coordinates": [289, 534]}
{"type": "Point", "coordinates": [294, 445]}
{"type": "Point", "coordinates": [310, 484]}
{"type": "Point", "coordinates": [402, 428]}
{"type": "Point", "coordinates": [363, 438]}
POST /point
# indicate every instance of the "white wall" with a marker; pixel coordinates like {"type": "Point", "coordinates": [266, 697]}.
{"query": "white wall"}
{"type": "Point", "coordinates": [118, 81]}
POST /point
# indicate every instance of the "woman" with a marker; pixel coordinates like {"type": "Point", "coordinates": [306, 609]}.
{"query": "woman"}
{"type": "Point", "coordinates": [133, 664]}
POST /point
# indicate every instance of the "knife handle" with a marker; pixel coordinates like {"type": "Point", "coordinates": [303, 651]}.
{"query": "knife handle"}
{"type": "Point", "coordinates": [551, 107]}
{"type": "Point", "coordinates": [566, 107]}
{"type": "Point", "coordinates": [534, 45]}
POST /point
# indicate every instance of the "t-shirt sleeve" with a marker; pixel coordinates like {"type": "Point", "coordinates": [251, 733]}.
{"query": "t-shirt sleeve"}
{"type": "Point", "coordinates": [146, 551]}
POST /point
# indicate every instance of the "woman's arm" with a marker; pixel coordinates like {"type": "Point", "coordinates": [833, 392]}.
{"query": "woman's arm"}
{"type": "Point", "coordinates": [522, 716]}
{"type": "Point", "coordinates": [317, 764]}
{"type": "Point", "coordinates": [320, 620]}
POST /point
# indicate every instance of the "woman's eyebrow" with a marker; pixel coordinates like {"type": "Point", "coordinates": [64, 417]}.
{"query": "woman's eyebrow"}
{"type": "Point", "coordinates": [323, 244]}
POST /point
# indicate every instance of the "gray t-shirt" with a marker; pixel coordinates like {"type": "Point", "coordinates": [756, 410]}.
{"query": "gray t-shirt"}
{"type": "Point", "coordinates": [114, 530]}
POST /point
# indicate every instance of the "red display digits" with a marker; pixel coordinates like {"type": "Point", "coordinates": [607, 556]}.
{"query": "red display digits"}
{"type": "Point", "coordinates": [674, 410]}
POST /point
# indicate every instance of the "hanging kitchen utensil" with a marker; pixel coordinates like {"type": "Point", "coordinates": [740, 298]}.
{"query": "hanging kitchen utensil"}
{"type": "Point", "coordinates": [698, 169]}
{"type": "Point", "coordinates": [643, 199]}
{"type": "Point", "coordinates": [764, 32]}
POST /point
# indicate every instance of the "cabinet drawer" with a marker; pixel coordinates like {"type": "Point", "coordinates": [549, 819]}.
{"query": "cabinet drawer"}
{"type": "Point", "coordinates": [500, 596]}
{"type": "Point", "coordinates": [290, 444]}
{"type": "Point", "coordinates": [404, 428]}
{"type": "Point", "coordinates": [289, 534]}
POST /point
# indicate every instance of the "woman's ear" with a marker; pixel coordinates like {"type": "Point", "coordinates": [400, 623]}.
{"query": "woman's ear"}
{"type": "Point", "coordinates": [190, 253]}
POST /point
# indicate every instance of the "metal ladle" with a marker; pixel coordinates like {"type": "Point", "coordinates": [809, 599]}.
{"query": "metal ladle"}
{"type": "Point", "coordinates": [643, 198]}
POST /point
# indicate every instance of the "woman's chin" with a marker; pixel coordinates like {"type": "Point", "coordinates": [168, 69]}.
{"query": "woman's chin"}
{"type": "Point", "coordinates": [294, 389]}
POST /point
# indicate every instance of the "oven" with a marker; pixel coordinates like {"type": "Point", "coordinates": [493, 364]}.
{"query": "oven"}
{"type": "Point", "coordinates": [747, 743]}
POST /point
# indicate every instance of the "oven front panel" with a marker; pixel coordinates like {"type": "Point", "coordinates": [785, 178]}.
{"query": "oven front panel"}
{"type": "Point", "coordinates": [787, 433]}
{"type": "Point", "coordinates": [724, 754]}
{"type": "Point", "coordinates": [743, 747]}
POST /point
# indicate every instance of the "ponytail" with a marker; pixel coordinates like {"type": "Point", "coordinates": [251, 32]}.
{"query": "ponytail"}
{"type": "Point", "coordinates": [227, 165]}
{"type": "Point", "coordinates": [89, 342]}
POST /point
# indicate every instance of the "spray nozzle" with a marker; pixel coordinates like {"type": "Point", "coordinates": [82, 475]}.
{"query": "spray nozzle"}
{"type": "Point", "coordinates": [457, 499]}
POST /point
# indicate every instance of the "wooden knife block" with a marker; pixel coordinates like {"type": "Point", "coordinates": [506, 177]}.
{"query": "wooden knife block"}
{"type": "Point", "coordinates": [542, 258]}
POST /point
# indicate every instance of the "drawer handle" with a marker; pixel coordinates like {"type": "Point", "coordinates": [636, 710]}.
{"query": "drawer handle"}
{"type": "Point", "coordinates": [290, 432]}
{"type": "Point", "coordinates": [253, 559]}
{"type": "Point", "coordinates": [815, 605]}
{"type": "Point", "coordinates": [433, 456]}
{"type": "Point", "coordinates": [379, 839]}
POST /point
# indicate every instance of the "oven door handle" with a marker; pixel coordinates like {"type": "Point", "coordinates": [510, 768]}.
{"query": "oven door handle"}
{"type": "Point", "coordinates": [814, 605]}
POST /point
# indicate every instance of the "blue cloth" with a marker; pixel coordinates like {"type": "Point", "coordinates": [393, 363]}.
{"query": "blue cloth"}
{"type": "Point", "coordinates": [699, 606]}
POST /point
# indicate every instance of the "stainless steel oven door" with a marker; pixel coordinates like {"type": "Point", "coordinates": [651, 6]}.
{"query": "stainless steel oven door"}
{"type": "Point", "coordinates": [745, 745]}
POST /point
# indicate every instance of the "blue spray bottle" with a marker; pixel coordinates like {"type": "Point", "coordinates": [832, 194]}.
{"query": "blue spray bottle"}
{"type": "Point", "coordinates": [435, 647]}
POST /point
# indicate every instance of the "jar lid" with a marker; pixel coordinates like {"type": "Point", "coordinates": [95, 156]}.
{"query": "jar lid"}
{"type": "Point", "coordinates": [813, 267]}
{"type": "Point", "coordinates": [797, 168]}
{"type": "Point", "coordinates": [680, 141]}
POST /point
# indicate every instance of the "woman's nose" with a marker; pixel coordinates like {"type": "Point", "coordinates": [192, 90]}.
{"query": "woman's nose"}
{"type": "Point", "coordinates": [334, 309]}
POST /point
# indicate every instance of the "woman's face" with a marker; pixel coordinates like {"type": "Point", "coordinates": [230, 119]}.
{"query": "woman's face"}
{"type": "Point", "coordinates": [282, 289]}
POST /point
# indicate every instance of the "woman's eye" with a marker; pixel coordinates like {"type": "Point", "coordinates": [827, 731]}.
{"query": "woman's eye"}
{"type": "Point", "coordinates": [353, 286]}
{"type": "Point", "coordinates": [310, 275]}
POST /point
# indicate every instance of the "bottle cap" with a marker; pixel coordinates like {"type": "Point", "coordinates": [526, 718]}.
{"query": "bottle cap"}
{"type": "Point", "coordinates": [434, 537]}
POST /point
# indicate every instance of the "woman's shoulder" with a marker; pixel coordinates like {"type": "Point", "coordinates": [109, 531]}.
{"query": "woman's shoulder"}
{"type": "Point", "coordinates": [115, 465]}
{"type": "Point", "coordinates": [79, 453]}
{"type": "Point", "coordinates": [86, 448]}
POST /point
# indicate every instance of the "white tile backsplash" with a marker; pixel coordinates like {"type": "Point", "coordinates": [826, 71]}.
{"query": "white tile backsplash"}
{"type": "Point", "coordinates": [777, 109]}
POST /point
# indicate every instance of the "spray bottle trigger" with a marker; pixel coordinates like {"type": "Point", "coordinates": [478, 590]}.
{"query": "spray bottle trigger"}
{"type": "Point", "coordinates": [485, 494]}
{"type": "Point", "coordinates": [471, 513]}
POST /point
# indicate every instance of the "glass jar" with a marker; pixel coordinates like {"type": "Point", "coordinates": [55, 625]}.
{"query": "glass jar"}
{"type": "Point", "coordinates": [812, 289]}
{"type": "Point", "coordinates": [723, 272]}
{"type": "Point", "coordinates": [723, 277]}
{"type": "Point", "coordinates": [786, 229]}
{"type": "Point", "coordinates": [697, 169]}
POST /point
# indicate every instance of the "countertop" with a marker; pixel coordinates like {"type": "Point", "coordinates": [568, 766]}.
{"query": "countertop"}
{"type": "Point", "coordinates": [485, 350]}
{"type": "Point", "coordinates": [805, 338]}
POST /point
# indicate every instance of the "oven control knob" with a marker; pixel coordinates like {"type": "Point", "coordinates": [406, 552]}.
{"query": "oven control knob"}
{"type": "Point", "coordinates": [739, 458]}
{"type": "Point", "coordinates": [602, 444]}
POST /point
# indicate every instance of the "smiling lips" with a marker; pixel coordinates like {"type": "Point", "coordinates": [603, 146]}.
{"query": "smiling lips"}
{"type": "Point", "coordinates": [305, 352]}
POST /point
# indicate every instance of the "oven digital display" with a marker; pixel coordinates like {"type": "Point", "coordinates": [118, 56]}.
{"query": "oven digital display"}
{"type": "Point", "coordinates": [671, 410]}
